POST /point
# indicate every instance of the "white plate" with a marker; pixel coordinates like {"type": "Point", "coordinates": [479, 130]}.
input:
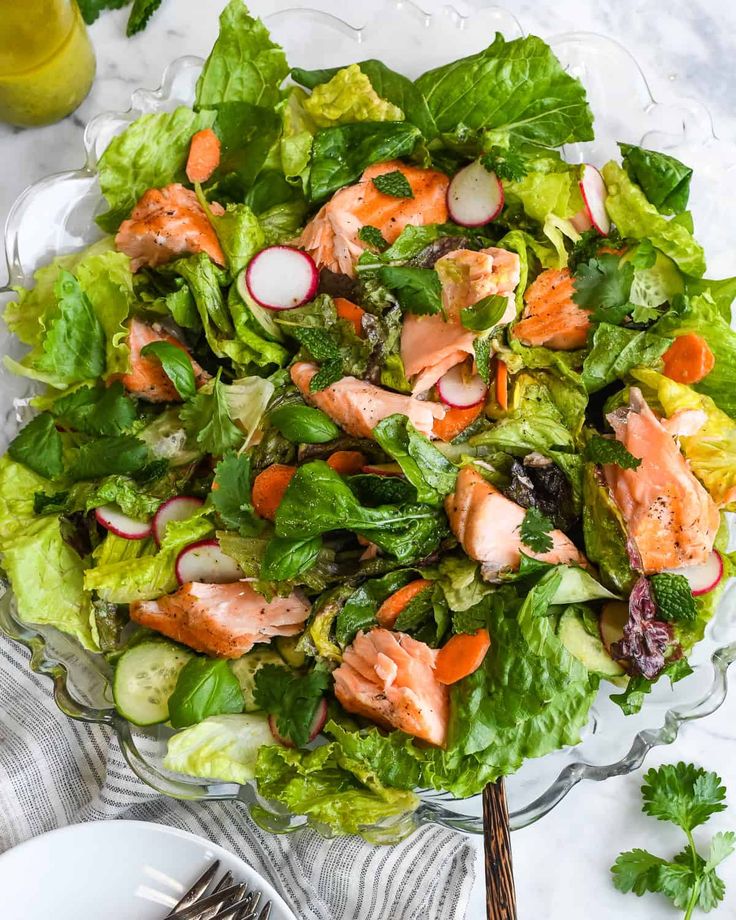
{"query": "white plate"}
{"type": "Point", "coordinates": [116, 870]}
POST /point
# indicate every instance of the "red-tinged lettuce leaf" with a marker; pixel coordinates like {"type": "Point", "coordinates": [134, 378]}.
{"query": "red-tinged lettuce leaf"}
{"type": "Point", "coordinates": [646, 639]}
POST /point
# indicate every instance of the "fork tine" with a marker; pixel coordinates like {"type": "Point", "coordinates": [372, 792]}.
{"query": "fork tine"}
{"type": "Point", "coordinates": [197, 889]}
{"type": "Point", "coordinates": [225, 882]}
{"type": "Point", "coordinates": [266, 912]}
{"type": "Point", "coordinates": [234, 911]}
{"type": "Point", "coordinates": [215, 899]}
{"type": "Point", "coordinates": [250, 906]}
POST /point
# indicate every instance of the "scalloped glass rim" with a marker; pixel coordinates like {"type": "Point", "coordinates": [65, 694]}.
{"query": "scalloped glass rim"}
{"type": "Point", "coordinates": [401, 34]}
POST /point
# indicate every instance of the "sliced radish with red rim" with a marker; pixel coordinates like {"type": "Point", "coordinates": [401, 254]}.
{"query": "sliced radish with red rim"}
{"type": "Point", "coordinates": [474, 196]}
{"type": "Point", "coordinates": [460, 389]}
{"type": "Point", "coordinates": [595, 193]}
{"type": "Point", "coordinates": [317, 724]}
{"type": "Point", "coordinates": [281, 278]}
{"type": "Point", "coordinates": [113, 519]}
{"type": "Point", "coordinates": [179, 508]}
{"type": "Point", "coordinates": [702, 578]}
{"type": "Point", "coordinates": [206, 563]}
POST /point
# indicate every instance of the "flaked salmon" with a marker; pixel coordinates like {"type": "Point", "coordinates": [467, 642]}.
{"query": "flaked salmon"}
{"type": "Point", "coordinates": [222, 620]}
{"type": "Point", "coordinates": [388, 677]}
{"type": "Point", "coordinates": [487, 524]}
{"type": "Point", "coordinates": [431, 345]}
{"type": "Point", "coordinates": [358, 407]}
{"type": "Point", "coordinates": [331, 237]}
{"type": "Point", "coordinates": [669, 515]}
{"type": "Point", "coordinates": [165, 224]}
{"type": "Point", "coordinates": [551, 317]}
{"type": "Point", "coordinates": [147, 378]}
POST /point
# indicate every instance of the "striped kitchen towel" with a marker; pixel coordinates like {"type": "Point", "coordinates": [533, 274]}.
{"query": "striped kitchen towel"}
{"type": "Point", "coordinates": [54, 771]}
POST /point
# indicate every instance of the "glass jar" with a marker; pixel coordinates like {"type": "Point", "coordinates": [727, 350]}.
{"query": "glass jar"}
{"type": "Point", "coordinates": [47, 64]}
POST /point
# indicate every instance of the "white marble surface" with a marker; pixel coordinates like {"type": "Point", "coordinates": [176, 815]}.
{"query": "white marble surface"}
{"type": "Point", "coordinates": [688, 48]}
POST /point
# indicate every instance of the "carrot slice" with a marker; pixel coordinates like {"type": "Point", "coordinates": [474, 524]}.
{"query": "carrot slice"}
{"type": "Point", "coordinates": [269, 487]}
{"type": "Point", "coordinates": [502, 384]}
{"type": "Point", "coordinates": [455, 422]}
{"type": "Point", "coordinates": [204, 155]}
{"type": "Point", "coordinates": [388, 612]}
{"type": "Point", "coordinates": [351, 312]}
{"type": "Point", "coordinates": [461, 655]}
{"type": "Point", "coordinates": [346, 462]}
{"type": "Point", "coordinates": [688, 359]}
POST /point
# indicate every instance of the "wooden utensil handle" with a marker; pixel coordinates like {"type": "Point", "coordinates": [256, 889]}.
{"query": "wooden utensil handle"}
{"type": "Point", "coordinates": [500, 891]}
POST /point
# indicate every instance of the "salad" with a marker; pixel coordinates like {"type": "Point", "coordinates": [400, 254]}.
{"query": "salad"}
{"type": "Point", "coordinates": [374, 434]}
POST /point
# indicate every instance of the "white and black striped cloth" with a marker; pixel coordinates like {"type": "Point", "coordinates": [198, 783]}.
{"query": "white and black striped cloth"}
{"type": "Point", "coordinates": [54, 771]}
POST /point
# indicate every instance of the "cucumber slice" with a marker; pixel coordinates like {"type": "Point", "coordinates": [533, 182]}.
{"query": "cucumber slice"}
{"type": "Point", "coordinates": [585, 646]}
{"type": "Point", "coordinates": [653, 286]}
{"type": "Point", "coordinates": [288, 648]}
{"type": "Point", "coordinates": [245, 669]}
{"type": "Point", "coordinates": [145, 678]}
{"type": "Point", "coordinates": [261, 316]}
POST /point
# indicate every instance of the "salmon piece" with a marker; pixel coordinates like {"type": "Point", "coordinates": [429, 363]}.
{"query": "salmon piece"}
{"type": "Point", "coordinates": [358, 406]}
{"type": "Point", "coordinates": [431, 345]}
{"type": "Point", "coordinates": [221, 620]}
{"type": "Point", "coordinates": [551, 317]}
{"type": "Point", "coordinates": [331, 237]}
{"type": "Point", "coordinates": [487, 525]}
{"type": "Point", "coordinates": [669, 516]}
{"type": "Point", "coordinates": [167, 223]}
{"type": "Point", "coordinates": [388, 677]}
{"type": "Point", "coordinates": [147, 378]}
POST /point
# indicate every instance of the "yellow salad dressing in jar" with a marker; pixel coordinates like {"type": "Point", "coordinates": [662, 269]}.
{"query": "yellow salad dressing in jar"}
{"type": "Point", "coordinates": [47, 64]}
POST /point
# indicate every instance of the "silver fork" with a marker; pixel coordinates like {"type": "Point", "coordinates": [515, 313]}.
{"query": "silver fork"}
{"type": "Point", "coordinates": [226, 901]}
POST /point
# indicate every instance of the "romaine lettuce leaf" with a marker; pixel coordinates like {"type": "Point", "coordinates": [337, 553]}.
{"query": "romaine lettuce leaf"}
{"type": "Point", "coordinates": [722, 291]}
{"type": "Point", "coordinates": [635, 217]}
{"type": "Point", "coordinates": [349, 97]}
{"type": "Point", "coordinates": [296, 137]}
{"type": "Point", "coordinates": [604, 534]}
{"type": "Point", "coordinates": [18, 486]}
{"type": "Point", "coordinates": [483, 91]}
{"type": "Point", "coordinates": [663, 179]}
{"type": "Point", "coordinates": [616, 350]}
{"type": "Point", "coordinates": [223, 747]}
{"type": "Point", "coordinates": [240, 236]}
{"type": "Point", "coordinates": [245, 65]}
{"type": "Point", "coordinates": [47, 579]}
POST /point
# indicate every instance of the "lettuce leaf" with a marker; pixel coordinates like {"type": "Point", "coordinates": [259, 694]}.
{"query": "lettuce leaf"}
{"type": "Point", "coordinates": [514, 89]}
{"type": "Point", "coordinates": [150, 153]}
{"type": "Point", "coordinates": [245, 65]}
{"type": "Point", "coordinates": [663, 179]}
{"type": "Point", "coordinates": [47, 579]}
{"type": "Point", "coordinates": [333, 789]}
{"type": "Point", "coordinates": [240, 236]}
{"type": "Point", "coordinates": [221, 747]}
{"type": "Point", "coordinates": [616, 350]}
{"type": "Point", "coordinates": [349, 97]}
{"type": "Point", "coordinates": [711, 451]}
{"type": "Point", "coordinates": [636, 218]}
{"type": "Point", "coordinates": [18, 486]}
{"type": "Point", "coordinates": [604, 534]}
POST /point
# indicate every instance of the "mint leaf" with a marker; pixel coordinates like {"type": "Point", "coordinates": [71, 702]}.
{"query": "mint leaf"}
{"type": "Point", "coordinates": [96, 410]}
{"type": "Point", "coordinates": [394, 184]}
{"type": "Point", "coordinates": [39, 447]}
{"type": "Point", "coordinates": [231, 495]}
{"type": "Point", "coordinates": [485, 314]}
{"type": "Point", "coordinates": [140, 13]}
{"type": "Point", "coordinates": [292, 698]}
{"type": "Point", "coordinates": [674, 598]}
{"type": "Point", "coordinates": [372, 236]}
{"type": "Point", "coordinates": [602, 286]}
{"type": "Point", "coordinates": [176, 364]}
{"type": "Point", "coordinates": [119, 454]}
{"type": "Point", "coordinates": [682, 793]}
{"type": "Point", "coordinates": [535, 531]}
{"type": "Point", "coordinates": [609, 450]}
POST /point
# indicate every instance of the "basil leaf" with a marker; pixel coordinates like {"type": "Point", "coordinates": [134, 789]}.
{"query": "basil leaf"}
{"type": "Point", "coordinates": [176, 365]}
{"type": "Point", "coordinates": [418, 290]}
{"type": "Point", "coordinates": [205, 687]}
{"type": "Point", "coordinates": [485, 314]}
{"type": "Point", "coordinates": [286, 558]}
{"type": "Point", "coordinates": [304, 425]}
{"type": "Point", "coordinates": [38, 446]}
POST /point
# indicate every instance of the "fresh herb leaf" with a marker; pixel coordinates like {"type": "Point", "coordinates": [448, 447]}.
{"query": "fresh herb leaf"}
{"type": "Point", "coordinates": [506, 163]}
{"type": "Point", "coordinates": [140, 13]}
{"type": "Point", "coordinates": [394, 184]}
{"type": "Point", "coordinates": [292, 698]}
{"type": "Point", "coordinates": [329, 373]}
{"type": "Point", "coordinates": [428, 470]}
{"type": "Point", "coordinates": [372, 236]}
{"type": "Point", "coordinates": [418, 290]}
{"type": "Point", "coordinates": [683, 794]}
{"type": "Point", "coordinates": [91, 9]}
{"type": "Point", "coordinates": [231, 494]}
{"type": "Point", "coordinates": [205, 687]}
{"type": "Point", "coordinates": [674, 598]}
{"type": "Point", "coordinates": [602, 286]}
{"type": "Point", "coordinates": [642, 315]}
{"type": "Point", "coordinates": [285, 558]}
{"type": "Point", "coordinates": [176, 365]}
{"type": "Point", "coordinates": [119, 454]}
{"type": "Point", "coordinates": [96, 410]}
{"type": "Point", "coordinates": [303, 424]}
{"type": "Point", "coordinates": [39, 447]}
{"type": "Point", "coordinates": [482, 348]}
{"type": "Point", "coordinates": [485, 314]}
{"type": "Point", "coordinates": [638, 687]}
{"type": "Point", "coordinates": [207, 418]}
{"type": "Point", "coordinates": [535, 531]}
{"type": "Point", "coordinates": [637, 871]}
{"type": "Point", "coordinates": [663, 179]}
{"type": "Point", "coordinates": [609, 450]}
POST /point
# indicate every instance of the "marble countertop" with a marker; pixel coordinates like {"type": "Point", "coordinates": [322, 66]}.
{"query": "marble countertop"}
{"type": "Point", "coordinates": [562, 862]}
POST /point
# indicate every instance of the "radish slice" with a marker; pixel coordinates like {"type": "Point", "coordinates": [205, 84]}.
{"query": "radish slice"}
{"type": "Point", "coordinates": [594, 195]}
{"type": "Point", "coordinates": [459, 390]}
{"type": "Point", "coordinates": [318, 723]}
{"type": "Point", "coordinates": [383, 469]}
{"type": "Point", "coordinates": [113, 519]}
{"type": "Point", "coordinates": [702, 578]}
{"type": "Point", "coordinates": [581, 221]}
{"type": "Point", "coordinates": [205, 562]}
{"type": "Point", "coordinates": [611, 623]}
{"type": "Point", "coordinates": [281, 278]}
{"type": "Point", "coordinates": [474, 196]}
{"type": "Point", "coordinates": [174, 509]}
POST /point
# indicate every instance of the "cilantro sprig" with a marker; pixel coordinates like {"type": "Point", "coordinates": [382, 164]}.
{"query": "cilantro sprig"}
{"type": "Point", "coordinates": [687, 796]}
{"type": "Point", "coordinates": [603, 286]}
{"type": "Point", "coordinates": [506, 163]}
{"type": "Point", "coordinates": [291, 698]}
{"type": "Point", "coordinates": [535, 531]}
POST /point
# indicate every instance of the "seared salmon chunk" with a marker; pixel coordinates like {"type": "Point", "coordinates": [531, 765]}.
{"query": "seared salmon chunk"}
{"type": "Point", "coordinates": [147, 378]}
{"type": "Point", "coordinates": [551, 317]}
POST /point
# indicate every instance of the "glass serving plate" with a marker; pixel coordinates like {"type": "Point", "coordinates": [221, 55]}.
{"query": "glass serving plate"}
{"type": "Point", "coordinates": [57, 214]}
